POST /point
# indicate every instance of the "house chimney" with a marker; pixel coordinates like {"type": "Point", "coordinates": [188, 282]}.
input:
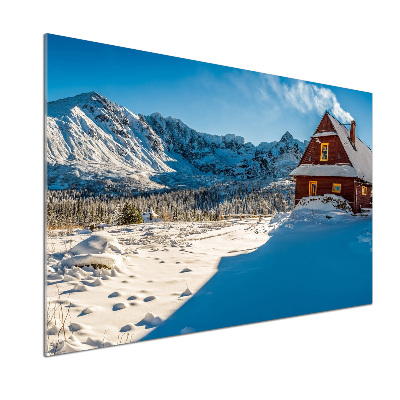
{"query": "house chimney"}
{"type": "Point", "coordinates": [353, 132]}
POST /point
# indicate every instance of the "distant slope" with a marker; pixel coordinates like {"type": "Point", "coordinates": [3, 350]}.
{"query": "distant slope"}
{"type": "Point", "coordinates": [95, 143]}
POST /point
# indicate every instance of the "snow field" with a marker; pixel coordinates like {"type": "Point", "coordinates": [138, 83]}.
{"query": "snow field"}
{"type": "Point", "coordinates": [310, 264]}
{"type": "Point", "coordinates": [153, 269]}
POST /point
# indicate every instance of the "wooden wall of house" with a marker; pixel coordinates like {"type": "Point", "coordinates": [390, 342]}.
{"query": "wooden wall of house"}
{"type": "Point", "coordinates": [325, 125]}
{"type": "Point", "coordinates": [363, 201]}
{"type": "Point", "coordinates": [335, 148]}
{"type": "Point", "coordinates": [324, 186]}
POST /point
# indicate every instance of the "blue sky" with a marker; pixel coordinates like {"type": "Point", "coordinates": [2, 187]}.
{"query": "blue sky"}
{"type": "Point", "coordinates": [207, 97]}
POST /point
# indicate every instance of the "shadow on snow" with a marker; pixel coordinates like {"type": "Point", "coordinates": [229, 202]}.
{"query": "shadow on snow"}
{"type": "Point", "coordinates": [307, 266]}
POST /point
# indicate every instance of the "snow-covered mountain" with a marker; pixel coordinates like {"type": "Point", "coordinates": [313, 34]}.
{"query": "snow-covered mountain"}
{"type": "Point", "coordinates": [95, 143]}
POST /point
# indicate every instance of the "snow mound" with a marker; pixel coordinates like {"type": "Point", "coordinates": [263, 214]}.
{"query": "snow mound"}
{"type": "Point", "coordinates": [187, 292]}
{"type": "Point", "coordinates": [325, 203]}
{"type": "Point", "coordinates": [70, 345]}
{"type": "Point", "coordinates": [79, 288]}
{"type": "Point", "coordinates": [83, 231]}
{"type": "Point", "coordinates": [98, 343]}
{"type": "Point", "coordinates": [104, 261]}
{"type": "Point", "coordinates": [187, 330]}
{"type": "Point", "coordinates": [150, 321]}
{"type": "Point", "coordinates": [97, 243]}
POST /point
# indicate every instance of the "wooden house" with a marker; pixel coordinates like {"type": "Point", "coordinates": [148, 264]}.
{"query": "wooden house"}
{"type": "Point", "coordinates": [337, 162]}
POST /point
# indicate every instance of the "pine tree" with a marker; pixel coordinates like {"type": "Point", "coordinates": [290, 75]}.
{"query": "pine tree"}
{"type": "Point", "coordinates": [130, 215]}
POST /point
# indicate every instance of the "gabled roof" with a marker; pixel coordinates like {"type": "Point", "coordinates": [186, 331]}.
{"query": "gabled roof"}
{"type": "Point", "coordinates": [360, 155]}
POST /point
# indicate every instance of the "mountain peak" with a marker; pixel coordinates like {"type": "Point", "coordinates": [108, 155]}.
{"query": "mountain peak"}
{"type": "Point", "coordinates": [287, 136]}
{"type": "Point", "coordinates": [80, 100]}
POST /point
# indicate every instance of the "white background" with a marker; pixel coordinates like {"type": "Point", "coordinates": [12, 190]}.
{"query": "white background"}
{"type": "Point", "coordinates": [348, 354]}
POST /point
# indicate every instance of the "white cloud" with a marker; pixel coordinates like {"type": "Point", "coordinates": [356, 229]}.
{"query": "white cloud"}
{"type": "Point", "coordinates": [307, 97]}
{"type": "Point", "coordinates": [272, 94]}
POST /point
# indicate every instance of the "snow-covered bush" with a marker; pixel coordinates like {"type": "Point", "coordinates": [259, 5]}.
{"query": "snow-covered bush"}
{"type": "Point", "coordinates": [325, 203]}
{"type": "Point", "coordinates": [97, 243]}
{"type": "Point", "coordinates": [102, 261]}
{"type": "Point", "coordinates": [100, 250]}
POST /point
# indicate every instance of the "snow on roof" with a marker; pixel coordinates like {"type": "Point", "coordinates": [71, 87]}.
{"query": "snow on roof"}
{"type": "Point", "coordinates": [360, 155]}
{"type": "Point", "coordinates": [324, 170]}
{"type": "Point", "coordinates": [319, 134]}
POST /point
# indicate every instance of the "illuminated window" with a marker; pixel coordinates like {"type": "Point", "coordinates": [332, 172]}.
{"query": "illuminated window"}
{"type": "Point", "coordinates": [312, 188]}
{"type": "Point", "coordinates": [364, 190]}
{"type": "Point", "coordinates": [324, 151]}
{"type": "Point", "coordinates": [336, 188]}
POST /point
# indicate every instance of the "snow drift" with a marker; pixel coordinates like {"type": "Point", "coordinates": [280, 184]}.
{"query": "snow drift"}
{"type": "Point", "coordinates": [309, 265]}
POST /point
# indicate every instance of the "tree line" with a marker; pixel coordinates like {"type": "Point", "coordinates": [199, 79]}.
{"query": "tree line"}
{"type": "Point", "coordinates": [81, 208]}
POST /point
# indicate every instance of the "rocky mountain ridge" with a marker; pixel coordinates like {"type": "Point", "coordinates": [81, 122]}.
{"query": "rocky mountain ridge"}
{"type": "Point", "coordinates": [95, 143]}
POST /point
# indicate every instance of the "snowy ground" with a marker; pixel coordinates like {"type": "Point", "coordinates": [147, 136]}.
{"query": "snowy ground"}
{"type": "Point", "coordinates": [318, 258]}
{"type": "Point", "coordinates": [157, 267]}
{"type": "Point", "coordinates": [162, 279]}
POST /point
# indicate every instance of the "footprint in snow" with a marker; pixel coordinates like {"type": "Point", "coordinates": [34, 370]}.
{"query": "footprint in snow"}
{"type": "Point", "coordinates": [53, 330]}
{"type": "Point", "coordinates": [149, 298]}
{"type": "Point", "coordinates": [74, 327]}
{"type": "Point", "coordinates": [86, 311]}
{"type": "Point", "coordinates": [119, 306]}
{"type": "Point", "coordinates": [127, 328]}
{"type": "Point", "coordinates": [114, 294]}
{"type": "Point", "coordinates": [132, 297]}
{"type": "Point", "coordinates": [186, 269]}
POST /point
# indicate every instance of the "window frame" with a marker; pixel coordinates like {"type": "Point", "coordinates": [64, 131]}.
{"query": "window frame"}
{"type": "Point", "coordinates": [364, 190]}
{"type": "Point", "coordinates": [309, 188]}
{"type": "Point", "coordinates": [333, 188]}
{"type": "Point", "coordinates": [327, 151]}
